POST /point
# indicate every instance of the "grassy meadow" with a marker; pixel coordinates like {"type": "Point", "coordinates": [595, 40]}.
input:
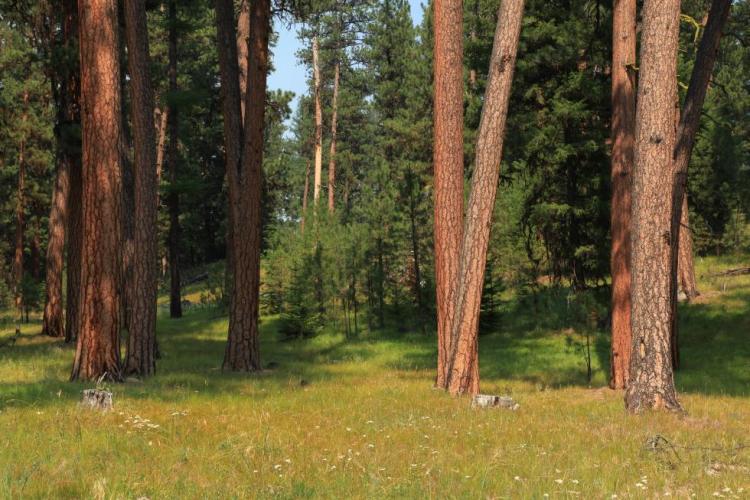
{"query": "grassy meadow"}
{"type": "Point", "coordinates": [358, 417]}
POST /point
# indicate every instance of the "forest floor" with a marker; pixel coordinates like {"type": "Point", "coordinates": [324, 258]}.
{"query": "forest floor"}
{"type": "Point", "coordinates": [359, 418]}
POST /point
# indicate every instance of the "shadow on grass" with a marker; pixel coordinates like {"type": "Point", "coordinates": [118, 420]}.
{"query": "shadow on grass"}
{"type": "Point", "coordinates": [528, 345]}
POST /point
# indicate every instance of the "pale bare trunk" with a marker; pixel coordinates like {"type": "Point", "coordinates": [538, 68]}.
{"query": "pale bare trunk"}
{"type": "Point", "coordinates": [318, 123]}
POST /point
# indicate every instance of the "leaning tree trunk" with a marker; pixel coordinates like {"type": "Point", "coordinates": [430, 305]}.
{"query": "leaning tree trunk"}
{"type": "Point", "coordinates": [173, 199]}
{"type": "Point", "coordinates": [142, 308]}
{"type": "Point", "coordinates": [689, 121]}
{"type": "Point", "coordinates": [463, 369]}
{"type": "Point", "coordinates": [334, 124]}
{"type": "Point", "coordinates": [623, 130]}
{"type": "Point", "coordinates": [651, 380]}
{"type": "Point", "coordinates": [318, 122]}
{"type": "Point", "coordinates": [448, 158]}
{"type": "Point", "coordinates": [98, 347]}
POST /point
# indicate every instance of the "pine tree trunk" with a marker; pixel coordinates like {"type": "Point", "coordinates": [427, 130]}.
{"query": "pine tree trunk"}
{"type": "Point", "coordinates": [623, 130]}
{"type": "Point", "coordinates": [53, 324]}
{"type": "Point", "coordinates": [334, 123]}
{"type": "Point", "coordinates": [70, 114]}
{"type": "Point", "coordinates": [20, 213]}
{"type": "Point", "coordinates": [318, 123]}
{"type": "Point", "coordinates": [651, 378]}
{"type": "Point", "coordinates": [415, 251]}
{"type": "Point", "coordinates": [142, 311]}
{"type": "Point", "coordinates": [244, 173]}
{"type": "Point", "coordinates": [229, 63]}
{"type": "Point", "coordinates": [448, 158]}
{"type": "Point", "coordinates": [685, 264]}
{"type": "Point", "coordinates": [75, 201]}
{"type": "Point", "coordinates": [463, 370]}
{"type": "Point", "coordinates": [173, 199]}
{"type": "Point", "coordinates": [98, 347]}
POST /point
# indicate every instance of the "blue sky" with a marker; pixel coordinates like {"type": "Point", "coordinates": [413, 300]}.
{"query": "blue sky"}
{"type": "Point", "coordinates": [288, 73]}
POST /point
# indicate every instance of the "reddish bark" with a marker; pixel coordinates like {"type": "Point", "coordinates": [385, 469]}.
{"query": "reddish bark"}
{"type": "Point", "coordinates": [463, 370]}
{"type": "Point", "coordinates": [623, 130]}
{"type": "Point", "coordinates": [98, 347]}
{"type": "Point", "coordinates": [448, 159]}
{"type": "Point", "coordinates": [142, 308]}
{"type": "Point", "coordinates": [651, 378]}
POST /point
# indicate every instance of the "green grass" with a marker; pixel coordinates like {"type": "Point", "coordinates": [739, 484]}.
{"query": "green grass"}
{"type": "Point", "coordinates": [368, 424]}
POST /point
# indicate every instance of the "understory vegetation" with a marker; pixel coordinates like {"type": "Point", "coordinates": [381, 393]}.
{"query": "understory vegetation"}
{"type": "Point", "coordinates": [350, 417]}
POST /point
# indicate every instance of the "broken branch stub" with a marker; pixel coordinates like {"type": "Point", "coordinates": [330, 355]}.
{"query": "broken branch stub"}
{"type": "Point", "coordinates": [490, 401]}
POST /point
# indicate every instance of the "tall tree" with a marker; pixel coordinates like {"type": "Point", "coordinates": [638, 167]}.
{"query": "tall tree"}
{"type": "Point", "coordinates": [448, 159]}
{"type": "Point", "coordinates": [173, 198]}
{"type": "Point", "coordinates": [244, 158]}
{"type": "Point", "coordinates": [651, 379]}
{"type": "Point", "coordinates": [463, 370]}
{"type": "Point", "coordinates": [98, 347]}
{"type": "Point", "coordinates": [142, 308]}
{"type": "Point", "coordinates": [623, 131]}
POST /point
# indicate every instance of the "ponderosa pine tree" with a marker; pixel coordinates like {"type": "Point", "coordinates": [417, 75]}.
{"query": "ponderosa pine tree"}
{"type": "Point", "coordinates": [98, 347]}
{"type": "Point", "coordinates": [244, 160]}
{"type": "Point", "coordinates": [623, 131]}
{"type": "Point", "coordinates": [463, 367]}
{"type": "Point", "coordinates": [142, 309]}
{"type": "Point", "coordinates": [651, 378]}
{"type": "Point", "coordinates": [448, 160]}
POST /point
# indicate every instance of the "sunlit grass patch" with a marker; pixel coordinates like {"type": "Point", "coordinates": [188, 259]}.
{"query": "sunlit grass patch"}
{"type": "Point", "coordinates": [336, 417]}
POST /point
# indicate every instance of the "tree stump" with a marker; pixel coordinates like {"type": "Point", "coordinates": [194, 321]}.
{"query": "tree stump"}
{"type": "Point", "coordinates": [490, 401]}
{"type": "Point", "coordinates": [97, 399]}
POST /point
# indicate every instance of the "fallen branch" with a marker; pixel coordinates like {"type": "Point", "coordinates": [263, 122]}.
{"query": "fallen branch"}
{"type": "Point", "coordinates": [731, 272]}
